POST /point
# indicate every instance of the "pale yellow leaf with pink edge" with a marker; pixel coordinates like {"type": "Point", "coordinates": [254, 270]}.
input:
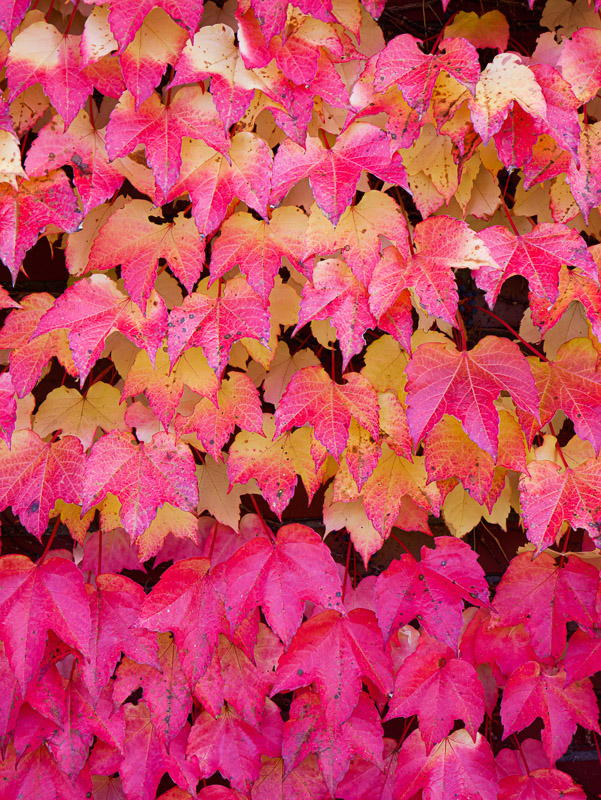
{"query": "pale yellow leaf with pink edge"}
{"type": "Point", "coordinates": [169, 519]}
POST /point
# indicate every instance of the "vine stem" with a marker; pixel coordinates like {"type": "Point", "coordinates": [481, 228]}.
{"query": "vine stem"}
{"type": "Point", "coordinates": [517, 741]}
{"type": "Point", "coordinates": [346, 566]}
{"type": "Point", "coordinates": [266, 527]}
{"type": "Point", "coordinates": [515, 333]}
{"type": "Point", "coordinates": [49, 542]}
{"type": "Point", "coordinates": [398, 541]}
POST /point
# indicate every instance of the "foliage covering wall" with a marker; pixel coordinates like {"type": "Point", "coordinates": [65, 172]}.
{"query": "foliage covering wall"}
{"type": "Point", "coordinates": [258, 457]}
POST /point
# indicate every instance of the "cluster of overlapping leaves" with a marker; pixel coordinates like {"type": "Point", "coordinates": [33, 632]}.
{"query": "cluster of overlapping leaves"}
{"type": "Point", "coordinates": [255, 300]}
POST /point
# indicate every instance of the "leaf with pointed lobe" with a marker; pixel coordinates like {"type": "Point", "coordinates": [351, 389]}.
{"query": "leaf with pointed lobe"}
{"type": "Point", "coordinates": [486, 30]}
{"type": "Point", "coordinates": [402, 62]}
{"type": "Point", "coordinates": [26, 212]}
{"type": "Point", "coordinates": [217, 323]}
{"type": "Point", "coordinates": [213, 182]}
{"type": "Point", "coordinates": [258, 247]}
{"type": "Point", "coordinates": [186, 601]}
{"type": "Point", "coordinates": [311, 396]}
{"type": "Point", "coordinates": [334, 173]}
{"type": "Point", "coordinates": [38, 775]}
{"type": "Point", "coordinates": [305, 782]}
{"type": "Point", "coordinates": [277, 463]}
{"type": "Point", "coordinates": [536, 691]}
{"type": "Point", "coordinates": [164, 386]}
{"type": "Point", "coordinates": [573, 286]}
{"type": "Point", "coordinates": [335, 293]}
{"type": "Point", "coordinates": [10, 699]}
{"type": "Point", "coordinates": [213, 54]}
{"type": "Point", "coordinates": [271, 14]}
{"type": "Point", "coordinates": [35, 599]}
{"type": "Point", "coordinates": [142, 476]}
{"type": "Point", "coordinates": [80, 415]}
{"type": "Point", "coordinates": [562, 107]}
{"type": "Point", "coordinates": [11, 15]}
{"type": "Point", "coordinates": [158, 42]}
{"type": "Point", "coordinates": [92, 309]}
{"type": "Point", "coordinates": [450, 453]}
{"type": "Point", "coordinates": [540, 784]}
{"type": "Point", "coordinates": [537, 255]}
{"type": "Point", "coordinates": [358, 233]}
{"type": "Point", "coordinates": [35, 474]}
{"type": "Point", "coordinates": [550, 496]}
{"type": "Point", "coordinates": [283, 366]}
{"type": "Point", "coordinates": [232, 746]}
{"type": "Point", "coordinates": [126, 18]}
{"type": "Point", "coordinates": [161, 129]}
{"type": "Point", "coordinates": [144, 761]}
{"type": "Point", "coordinates": [165, 688]}
{"type": "Point", "coordinates": [545, 596]}
{"type": "Point", "coordinates": [42, 54]}
{"type": "Point", "coordinates": [503, 82]}
{"type": "Point", "coordinates": [217, 495]}
{"type": "Point", "coordinates": [169, 520]}
{"type": "Point", "coordinates": [334, 652]}
{"type": "Point", "coordinates": [308, 731]}
{"type": "Point", "coordinates": [364, 780]}
{"type": "Point", "coordinates": [81, 145]}
{"type": "Point", "coordinates": [242, 683]}
{"type": "Point", "coordinates": [439, 687]}
{"type": "Point", "coordinates": [132, 238]}
{"type": "Point", "coordinates": [276, 577]}
{"type": "Point", "coordinates": [298, 53]}
{"type": "Point", "coordinates": [237, 404]}
{"type": "Point", "coordinates": [114, 610]}
{"type": "Point", "coordinates": [465, 384]}
{"type": "Point", "coordinates": [443, 244]}
{"type": "Point", "coordinates": [432, 589]}
{"type": "Point", "coordinates": [393, 479]}
{"type": "Point", "coordinates": [457, 766]}
{"type": "Point", "coordinates": [580, 63]}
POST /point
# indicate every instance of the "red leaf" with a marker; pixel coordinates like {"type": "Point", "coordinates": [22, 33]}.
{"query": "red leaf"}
{"type": "Point", "coordinates": [159, 471]}
{"type": "Point", "coordinates": [537, 255]}
{"type": "Point", "coordinates": [126, 17]}
{"type": "Point", "coordinates": [403, 63]}
{"type": "Point", "coordinates": [24, 214]}
{"type": "Point", "coordinates": [432, 589]}
{"type": "Point", "coordinates": [35, 474]}
{"type": "Point", "coordinates": [540, 784]}
{"type": "Point", "coordinates": [216, 324]}
{"type": "Point", "coordinates": [33, 600]}
{"type": "Point", "coordinates": [334, 173]}
{"type": "Point", "coordinates": [440, 688]}
{"type": "Point", "coordinates": [456, 767]}
{"type": "Point", "coordinates": [161, 129]}
{"type": "Point", "coordinates": [535, 691]}
{"type": "Point", "coordinates": [311, 396]}
{"type": "Point", "coordinates": [545, 596]}
{"type": "Point", "coordinates": [442, 380]}
{"type": "Point", "coordinates": [334, 652]}
{"type": "Point", "coordinates": [92, 309]}
{"type": "Point", "coordinates": [232, 746]}
{"type": "Point", "coordinates": [281, 577]}
{"type": "Point", "coordinates": [275, 783]}
{"type": "Point", "coordinates": [307, 731]}
{"type": "Point", "coordinates": [185, 601]}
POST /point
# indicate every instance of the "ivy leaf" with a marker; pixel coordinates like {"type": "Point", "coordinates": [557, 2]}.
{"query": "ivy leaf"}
{"type": "Point", "coordinates": [544, 596]}
{"type": "Point", "coordinates": [136, 238]}
{"type": "Point", "coordinates": [35, 598]}
{"type": "Point", "coordinates": [465, 384]}
{"type": "Point", "coordinates": [186, 601]}
{"type": "Point", "coordinates": [402, 62]}
{"type": "Point", "coordinates": [457, 765]}
{"type": "Point", "coordinates": [217, 323]}
{"type": "Point", "coordinates": [439, 687]}
{"type": "Point", "coordinates": [161, 129]}
{"type": "Point", "coordinates": [433, 590]}
{"type": "Point", "coordinates": [92, 309]}
{"type": "Point", "coordinates": [142, 476]}
{"type": "Point", "coordinates": [275, 577]}
{"type": "Point", "coordinates": [334, 652]}
{"type": "Point", "coordinates": [35, 474]}
{"type": "Point", "coordinates": [311, 396]}
{"type": "Point", "coordinates": [334, 173]}
{"type": "Point", "coordinates": [536, 691]}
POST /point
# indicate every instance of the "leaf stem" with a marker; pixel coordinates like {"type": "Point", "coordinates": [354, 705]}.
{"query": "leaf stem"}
{"type": "Point", "coordinates": [213, 537]}
{"type": "Point", "coordinates": [517, 741]}
{"type": "Point", "coordinates": [346, 566]}
{"type": "Point", "coordinates": [515, 333]}
{"type": "Point", "coordinates": [71, 18]}
{"type": "Point", "coordinates": [49, 542]}
{"type": "Point", "coordinates": [403, 545]}
{"type": "Point", "coordinates": [266, 527]}
{"type": "Point", "coordinates": [99, 568]}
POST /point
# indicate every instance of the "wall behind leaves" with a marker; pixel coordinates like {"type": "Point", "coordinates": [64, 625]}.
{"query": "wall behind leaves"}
{"type": "Point", "coordinates": [255, 449]}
